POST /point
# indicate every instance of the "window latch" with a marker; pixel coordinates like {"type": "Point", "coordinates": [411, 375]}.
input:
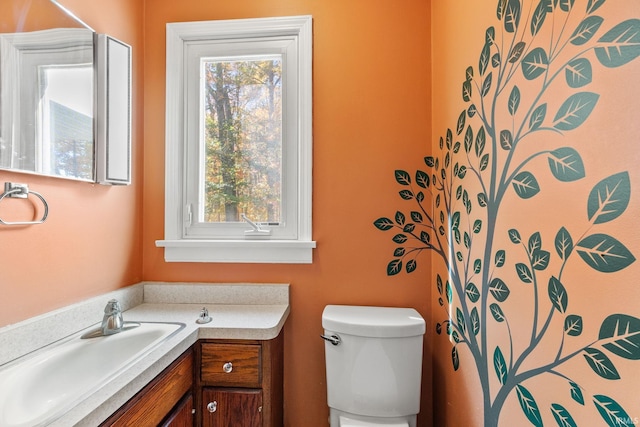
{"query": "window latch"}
{"type": "Point", "coordinates": [256, 231]}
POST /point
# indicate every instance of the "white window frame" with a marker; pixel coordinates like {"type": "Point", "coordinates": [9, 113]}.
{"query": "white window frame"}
{"type": "Point", "coordinates": [292, 37]}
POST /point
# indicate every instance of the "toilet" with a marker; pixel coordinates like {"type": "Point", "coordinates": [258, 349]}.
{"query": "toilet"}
{"type": "Point", "coordinates": [373, 365]}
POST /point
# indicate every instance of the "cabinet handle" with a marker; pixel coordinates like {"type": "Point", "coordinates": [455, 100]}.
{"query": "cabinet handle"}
{"type": "Point", "coordinates": [227, 367]}
{"type": "Point", "coordinates": [212, 406]}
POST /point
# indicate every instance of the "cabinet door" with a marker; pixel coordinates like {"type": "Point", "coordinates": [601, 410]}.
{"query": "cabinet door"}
{"type": "Point", "coordinates": [182, 414]}
{"type": "Point", "coordinates": [231, 407]}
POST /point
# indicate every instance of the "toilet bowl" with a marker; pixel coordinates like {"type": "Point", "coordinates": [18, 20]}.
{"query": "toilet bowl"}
{"type": "Point", "coordinates": [373, 365]}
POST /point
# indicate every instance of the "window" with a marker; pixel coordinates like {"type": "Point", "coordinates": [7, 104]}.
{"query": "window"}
{"type": "Point", "coordinates": [238, 141]}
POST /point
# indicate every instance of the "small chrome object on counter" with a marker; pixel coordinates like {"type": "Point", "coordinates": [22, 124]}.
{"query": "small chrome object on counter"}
{"type": "Point", "coordinates": [204, 316]}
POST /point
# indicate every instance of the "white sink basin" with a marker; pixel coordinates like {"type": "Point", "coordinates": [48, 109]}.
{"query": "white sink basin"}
{"type": "Point", "coordinates": [43, 386]}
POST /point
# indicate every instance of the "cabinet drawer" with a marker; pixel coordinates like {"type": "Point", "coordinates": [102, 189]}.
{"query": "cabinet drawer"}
{"type": "Point", "coordinates": [231, 365]}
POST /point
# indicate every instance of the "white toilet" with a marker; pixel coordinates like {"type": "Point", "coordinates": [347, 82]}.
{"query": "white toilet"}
{"type": "Point", "coordinates": [374, 365]}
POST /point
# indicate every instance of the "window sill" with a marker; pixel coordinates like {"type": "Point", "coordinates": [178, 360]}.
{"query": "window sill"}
{"type": "Point", "coordinates": [249, 251]}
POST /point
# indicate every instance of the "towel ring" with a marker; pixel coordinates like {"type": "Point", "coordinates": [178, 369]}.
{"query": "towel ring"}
{"type": "Point", "coordinates": [22, 191]}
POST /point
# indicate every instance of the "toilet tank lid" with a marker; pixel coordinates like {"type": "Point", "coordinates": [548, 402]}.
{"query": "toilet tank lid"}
{"type": "Point", "coordinates": [369, 321]}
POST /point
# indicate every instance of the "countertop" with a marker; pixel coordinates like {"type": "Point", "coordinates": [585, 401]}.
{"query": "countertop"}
{"type": "Point", "coordinates": [256, 318]}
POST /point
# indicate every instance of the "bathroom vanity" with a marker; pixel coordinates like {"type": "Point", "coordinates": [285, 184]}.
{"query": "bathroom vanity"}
{"type": "Point", "coordinates": [214, 383]}
{"type": "Point", "coordinates": [228, 371]}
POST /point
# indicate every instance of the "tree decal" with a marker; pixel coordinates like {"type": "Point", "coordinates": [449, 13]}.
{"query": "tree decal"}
{"type": "Point", "coordinates": [538, 52]}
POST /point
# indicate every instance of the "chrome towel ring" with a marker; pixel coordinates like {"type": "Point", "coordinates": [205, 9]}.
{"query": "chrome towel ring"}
{"type": "Point", "coordinates": [21, 191]}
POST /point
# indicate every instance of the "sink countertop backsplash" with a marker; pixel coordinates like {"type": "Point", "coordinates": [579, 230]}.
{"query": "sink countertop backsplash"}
{"type": "Point", "coordinates": [238, 311]}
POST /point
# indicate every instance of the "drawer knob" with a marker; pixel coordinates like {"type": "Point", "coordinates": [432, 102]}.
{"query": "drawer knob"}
{"type": "Point", "coordinates": [227, 367]}
{"type": "Point", "coordinates": [212, 406]}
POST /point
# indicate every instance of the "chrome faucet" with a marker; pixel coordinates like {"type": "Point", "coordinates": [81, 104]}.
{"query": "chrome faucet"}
{"type": "Point", "coordinates": [112, 322]}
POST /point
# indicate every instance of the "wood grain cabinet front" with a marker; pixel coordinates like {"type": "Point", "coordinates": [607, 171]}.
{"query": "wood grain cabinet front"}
{"type": "Point", "coordinates": [159, 399]}
{"type": "Point", "coordinates": [240, 383]}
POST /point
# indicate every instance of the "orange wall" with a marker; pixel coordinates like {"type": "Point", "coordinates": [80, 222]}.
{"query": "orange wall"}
{"type": "Point", "coordinates": [91, 242]}
{"type": "Point", "coordinates": [607, 143]}
{"type": "Point", "coordinates": [371, 116]}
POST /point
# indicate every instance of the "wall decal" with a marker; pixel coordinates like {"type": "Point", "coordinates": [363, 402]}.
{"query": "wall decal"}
{"type": "Point", "coordinates": [531, 79]}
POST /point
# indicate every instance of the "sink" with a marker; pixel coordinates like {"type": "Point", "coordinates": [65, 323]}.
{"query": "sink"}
{"type": "Point", "coordinates": [38, 388]}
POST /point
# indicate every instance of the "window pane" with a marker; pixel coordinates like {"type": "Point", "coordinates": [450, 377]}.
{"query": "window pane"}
{"type": "Point", "coordinates": [241, 139]}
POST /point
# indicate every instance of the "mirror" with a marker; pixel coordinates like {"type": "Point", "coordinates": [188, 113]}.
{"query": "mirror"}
{"type": "Point", "coordinates": [46, 91]}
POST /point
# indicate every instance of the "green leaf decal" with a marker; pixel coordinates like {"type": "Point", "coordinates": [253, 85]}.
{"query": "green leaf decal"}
{"type": "Point", "coordinates": [499, 289]}
{"type": "Point", "coordinates": [609, 198]}
{"type": "Point", "coordinates": [486, 85]}
{"type": "Point", "coordinates": [535, 63]}
{"type": "Point", "coordinates": [539, 16]}
{"type": "Point", "coordinates": [481, 140]}
{"type": "Point", "coordinates": [422, 179]}
{"type": "Point", "coordinates": [477, 226]}
{"type": "Point", "coordinates": [500, 257]}
{"type": "Point", "coordinates": [540, 259]}
{"type": "Point", "coordinates": [604, 253]}
{"type": "Point", "coordinates": [506, 140]}
{"type": "Point", "coordinates": [406, 194]}
{"type": "Point", "coordinates": [477, 266]}
{"type": "Point", "coordinates": [402, 177]}
{"type": "Point", "coordinates": [475, 321]}
{"type": "Point", "coordinates": [575, 110]}
{"type": "Point", "coordinates": [620, 45]}
{"type": "Point", "coordinates": [512, 15]}
{"type": "Point", "coordinates": [467, 91]}
{"type": "Point", "coordinates": [472, 292]}
{"type": "Point", "coordinates": [383, 224]}
{"type": "Point", "coordinates": [398, 252]}
{"type": "Point", "coordinates": [579, 73]}
{"type": "Point", "coordinates": [439, 284]}
{"type": "Point", "coordinates": [558, 295]}
{"type": "Point", "coordinates": [462, 324]}
{"type": "Point", "coordinates": [394, 267]}
{"type": "Point", "coordinates": [524, 273]}
{"type": "Point", "coordinates": [416, 216]}
{"type": "Point", "coordinates": [502, 6]}
{"type": "Point", "coordinates": [455, 358]}
{"type": "Point", "coordinates": [500, 365]}
{"type": "Point", "coordinates": [563, 243]}
{"type": "Point", "coordinates": [624, 333]}
{"type": "Point", "coordinates": [514, 236]}
{"type": "Point", "coordinates": [516, 52]}
{"type": "Point", "coordinates": [482, 199]}
{"type": "Point", "coordinates": [449, 291]}
{"type": "Point", "coordinates": [586, 30]}
{"type": "Point", "coordinates": [566, 5]}
{"type": "Point", "coordinates": [601, 364]}
{"type": "Point", "coordinates": [400, 218]}
{"type": "Point", "coordinates": [461, 121]}
{"type": "Point", "coordinates": [514, 100]}
{"type": "Point", "coordinates": [429, 161]}
{"type": "Point", "coordinates": [535, 242]}
{"type": "Point", "coordinates": [497, 312]}
{"type": "Point", "coordinates": [526, 185]}
{"type": "Point", "coordinates": [576, 393]}
{"type": "Point", "coordinates": [562, 416]}
{"type": "Point", "coordinates": [573, 325]}
{"type": "Point", "coordinates": [566, 164]}
{"type": "Point", "coordinates": [529, 406]}
{"type": "Point", "coordinates": [411, 266]}
{"type": "Point", "coordinates": [611, 412]}
{"type": "Point", "coordinates": [537, 117]}
{"type": "Point", "coordinates": [490, 36]}
{"type": "Point", "coordinates": [483, 62]}
{"type": "Point", "coordinates": [593, 5]}
{"type": "Point", "coordinates": [399, 238]}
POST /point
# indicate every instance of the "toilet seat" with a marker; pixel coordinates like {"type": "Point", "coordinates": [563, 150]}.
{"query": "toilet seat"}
{"type": "Point", "coordinates": [349, 422]}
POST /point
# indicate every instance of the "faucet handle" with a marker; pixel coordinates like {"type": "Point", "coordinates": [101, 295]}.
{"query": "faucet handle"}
{"type": "Point", "coordinates": [113, 307]}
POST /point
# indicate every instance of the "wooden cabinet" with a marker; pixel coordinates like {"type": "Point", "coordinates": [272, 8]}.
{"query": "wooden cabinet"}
{"type": "Point", "coordinates": [240, 383]}
{"type": "Point", "coordinates": [182, 415]}
{"type": "Point", "coordinates": [229, 383]}
{"type": "Point", "coordinates": [232, 407]}
{"type": "Point", "coordinates": [157, 400]}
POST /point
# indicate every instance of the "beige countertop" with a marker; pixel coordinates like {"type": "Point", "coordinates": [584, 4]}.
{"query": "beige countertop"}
{"type": "Point", "coordinates": [237, 311]}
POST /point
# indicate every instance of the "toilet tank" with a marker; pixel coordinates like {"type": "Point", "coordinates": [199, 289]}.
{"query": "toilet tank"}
{"type": "Point", "coordinates": [376, 369]}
